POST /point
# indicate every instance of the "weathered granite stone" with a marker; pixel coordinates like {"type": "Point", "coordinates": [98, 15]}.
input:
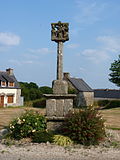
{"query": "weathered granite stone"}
{"type": "Point", "coordinates": [60, 61]}
{"type": "Point", "coordinates": [3, 132]}
{"type": "Point", "coordinates": [59, 32]}
{"type": "Point", "coordinates": [68, 106]}
{"type": "Point", "coordinates": [54, 125]}
{"type": "Point", "coordinates": [60, 87]}
{"type": "Point", "coordinates": [59, 107]}
{"type": "Point", "coordinates": [51, 107]}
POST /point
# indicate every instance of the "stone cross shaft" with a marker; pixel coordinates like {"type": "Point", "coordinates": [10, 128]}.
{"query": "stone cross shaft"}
{"type": "Point", "coordinates": [59, 34]}
{"type": "Point", "coordinates": [60, 61]}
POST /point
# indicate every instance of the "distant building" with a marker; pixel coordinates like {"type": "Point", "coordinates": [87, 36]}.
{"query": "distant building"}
{"type": "Point", "coordinates": [103, 94]}
{"type": "Point", "coordinates": [10, 91]}
{"type": "Point", "coordinates": [85, 94]}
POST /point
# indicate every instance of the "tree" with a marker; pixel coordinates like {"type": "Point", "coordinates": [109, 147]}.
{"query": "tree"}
{"type": "Point", "coordinates": [31, 91]}
{"type": "Point", "coordinates": [115, 72]}
{"type": "Point", "coordinates": [46, 90]}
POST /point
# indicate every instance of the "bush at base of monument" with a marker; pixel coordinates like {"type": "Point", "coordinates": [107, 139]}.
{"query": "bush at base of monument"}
{"type": "Point", "coordinates": [62, 140]}
{"type": "Point", "coordinates": [27, 124]}
{"type": "Point", "coordinates": [85, 127]}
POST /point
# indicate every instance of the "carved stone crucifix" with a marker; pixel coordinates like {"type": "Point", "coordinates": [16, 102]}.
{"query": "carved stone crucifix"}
{"type": "Point", "coordinates": [59, 34]}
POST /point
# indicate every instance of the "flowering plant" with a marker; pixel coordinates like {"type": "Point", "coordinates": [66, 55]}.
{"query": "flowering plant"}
{"type": "Point", "coordinates": [25, 125]}
{"type": "Point", "coordinates": [85, 126]}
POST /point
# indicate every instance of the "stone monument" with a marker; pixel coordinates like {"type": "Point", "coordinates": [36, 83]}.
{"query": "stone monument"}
{"type": "Point", "coordinates": [60, 102]}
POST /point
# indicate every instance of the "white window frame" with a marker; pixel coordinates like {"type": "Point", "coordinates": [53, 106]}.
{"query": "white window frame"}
{"type": "Point", "coordinates": [9, 84]}
{"type": "Point", "coordinates": [2, 84]}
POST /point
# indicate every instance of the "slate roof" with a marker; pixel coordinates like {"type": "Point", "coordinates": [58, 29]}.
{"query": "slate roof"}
{"type": "Point", "coordinates": [80, 85]}
{"type": "Point", "coordinates": [4, 76]}
{"type": "Point", "coordinates": [107, 93]}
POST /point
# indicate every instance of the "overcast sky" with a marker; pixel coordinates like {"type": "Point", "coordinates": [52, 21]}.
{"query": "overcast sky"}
{"type": "Point", "coordinates": [26, 46]}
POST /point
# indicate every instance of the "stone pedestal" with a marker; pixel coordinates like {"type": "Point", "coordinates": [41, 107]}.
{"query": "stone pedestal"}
{"type": "Point", "coordinates": [57, 106]}
{"type": "Point", "coordinates": [54, 123]}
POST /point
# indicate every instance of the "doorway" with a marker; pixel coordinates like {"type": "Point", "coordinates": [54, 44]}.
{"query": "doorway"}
{"type": "Point", "coordinates": [1, 101]}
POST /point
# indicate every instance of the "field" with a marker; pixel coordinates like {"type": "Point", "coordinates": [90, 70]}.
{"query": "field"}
{"type": "Point", "coordinates": [112, 116]}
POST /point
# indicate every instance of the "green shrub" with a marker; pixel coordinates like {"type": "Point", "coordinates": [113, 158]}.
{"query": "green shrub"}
{"type": "Point", "coordinates": [71, 91]}
{"type": "Point", "coordinates": [62, 140]}
{"type": "Point", "coordinates": [85, 127]}
{"type": "Point", "coordinates": [29, 103]}
{"type": "Point", "coordinates": [113, 104]}
{"type": "Point", "coordinates": [39, 103]}
{"type": "Point", "coordinates": [102, 103]}
{"type": "Point", "coordinates": [42, 137]}
{"type": "Point", "coordinates": [27, 124]}
{"type": "Point", "coordinates": [107, 104]}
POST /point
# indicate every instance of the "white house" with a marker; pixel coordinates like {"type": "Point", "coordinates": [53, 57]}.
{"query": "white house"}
{"type": "Point", "coordinates": [10, 91]}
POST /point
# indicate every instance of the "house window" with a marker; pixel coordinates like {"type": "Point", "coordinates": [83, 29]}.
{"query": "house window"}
{"type": "Point", "coordinates": [3, 83]}
{"type": "Point", "coordinates": [10, 99]}
{"type": "Point", "coordinates": [11, 84]}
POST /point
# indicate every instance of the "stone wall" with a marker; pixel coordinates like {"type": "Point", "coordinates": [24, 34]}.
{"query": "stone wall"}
{"type": "Point", "coordinates": [85, 99]}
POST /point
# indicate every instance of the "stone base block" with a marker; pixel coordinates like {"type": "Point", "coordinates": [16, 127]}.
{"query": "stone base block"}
{"type": "Point", "coordinates": [54, 123]}
{"type": "Point", "coordinates": [60, 87]}
{"type": "Point", "coordinates": [58, 107]}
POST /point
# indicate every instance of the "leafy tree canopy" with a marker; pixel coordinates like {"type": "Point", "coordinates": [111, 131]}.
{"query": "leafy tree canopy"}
{"type": "Point", "coordinates": [31, 91]}
{"type": "Point", "coordinates": [115, 72]}
{"type": "Point", "coordinates": [46, 90]}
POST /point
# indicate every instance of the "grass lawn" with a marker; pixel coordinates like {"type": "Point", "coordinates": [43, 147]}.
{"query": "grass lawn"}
{"type": "Point", "coordinates": [112, 117]}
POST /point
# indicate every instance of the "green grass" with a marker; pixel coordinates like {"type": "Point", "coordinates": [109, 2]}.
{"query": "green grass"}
{"type": "Point", "coordinates": [112, 117]}
{"type": "Point", "coordinates": [113, 128]}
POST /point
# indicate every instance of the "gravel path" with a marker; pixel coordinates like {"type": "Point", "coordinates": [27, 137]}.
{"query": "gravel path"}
{"type": "Point", "coordinates": [53, 152]}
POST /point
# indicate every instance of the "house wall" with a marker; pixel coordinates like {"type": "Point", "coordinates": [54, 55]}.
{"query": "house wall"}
{"type": "Point", "coordinates": [15, 92]}
{"type": "Point", "coordinates": [85, 99]}
{"type": "Point", "coordinates": [19, 99]}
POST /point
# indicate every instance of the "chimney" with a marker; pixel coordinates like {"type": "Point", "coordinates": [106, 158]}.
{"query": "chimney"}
{"type": "Point", "coordinates": [9, 71]}
{"type": "Point", "coordinates": [66, 75]}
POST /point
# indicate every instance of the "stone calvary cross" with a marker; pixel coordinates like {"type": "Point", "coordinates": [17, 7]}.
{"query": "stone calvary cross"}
{"type": "Point", "coordinates": [59, 34]}
{"type": "Point", "coordinates": [60, 102]}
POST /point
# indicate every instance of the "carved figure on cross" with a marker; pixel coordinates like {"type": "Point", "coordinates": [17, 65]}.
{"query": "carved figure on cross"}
{"type": "Point", "coordinates": [59, 32]}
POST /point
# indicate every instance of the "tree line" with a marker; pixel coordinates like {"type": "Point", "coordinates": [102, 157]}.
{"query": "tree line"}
{"type": "Point", "coordinates": [31, 91]}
